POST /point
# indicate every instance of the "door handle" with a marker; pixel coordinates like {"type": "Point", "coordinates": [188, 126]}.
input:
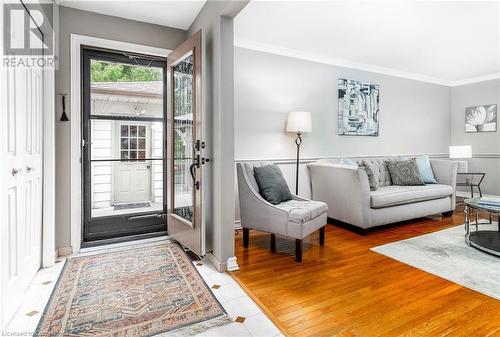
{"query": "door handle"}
{"type": "Point", "coordinates": [147, 216]}
{"type": "Point", "coordinates": [192, 167]}
{"type": "Point", "coordinates": [16, 171]}
{"type": "Point", "coordinates": [29, 169]}
{"type": "Point", "coordinates": [148, 166]}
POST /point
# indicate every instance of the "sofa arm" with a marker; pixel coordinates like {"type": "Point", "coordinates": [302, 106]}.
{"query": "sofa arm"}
{"type": "Point", "coordinates": [255, 211]}
{"type": "Point", "coordinates": [445, 172]}
{"type": "Point", "coordinates": [344, 189]}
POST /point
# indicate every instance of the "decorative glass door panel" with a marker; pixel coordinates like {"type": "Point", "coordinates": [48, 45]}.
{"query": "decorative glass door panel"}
{"type": "Point", "coordinates": [182, 85]}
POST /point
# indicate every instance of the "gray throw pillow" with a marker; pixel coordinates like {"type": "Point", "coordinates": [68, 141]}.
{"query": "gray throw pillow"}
{"type": "Point", "coordinates": [404, 172]}
{"type": "Point", "coordinates": [372, 179]}
{"type": "Point", "coordinates": [271, 183]}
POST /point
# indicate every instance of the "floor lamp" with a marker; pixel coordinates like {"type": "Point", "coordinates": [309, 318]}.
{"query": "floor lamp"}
{"type": "Point", "coordinates": [298, 122]}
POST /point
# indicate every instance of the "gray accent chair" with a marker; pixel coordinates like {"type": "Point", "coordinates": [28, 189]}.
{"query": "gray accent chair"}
{"type": "Point", "coordinates": [296, 218]}
{"type": "Point", "coordinates": [347, 192]}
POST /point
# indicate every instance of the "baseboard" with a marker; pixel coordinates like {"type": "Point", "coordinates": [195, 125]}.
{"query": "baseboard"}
{"type": "Point", "coordinates": [220, 266]}
{"type": "Point", "coordinates": [237, 224]}
{"type": "Point", "coordinates": [64, 251]}
{"type": "Point", "coordinates": [231, 264]}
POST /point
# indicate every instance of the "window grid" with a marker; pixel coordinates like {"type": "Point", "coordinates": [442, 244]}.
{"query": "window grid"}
{"type": "Point", "coordinates": [133, 142]}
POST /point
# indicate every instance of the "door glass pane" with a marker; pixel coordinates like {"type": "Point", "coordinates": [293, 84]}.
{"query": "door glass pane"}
{"type": "Point", "coordinates": [128, 186]}
{"type": "Point", "coordinates": [182, 86]}
{"type": "Point", "coordinates": [126, 154]}
{"type": "Point", "coordinates": [119, 89]}
{"type": "Point", "coordinates": [119, 188]}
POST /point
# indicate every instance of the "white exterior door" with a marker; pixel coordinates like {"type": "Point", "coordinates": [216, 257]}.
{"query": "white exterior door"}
{"type": "Point", "coordinates": [21, 184]}
{"type": "Point", "coordinates": [186, 148]}
{"type": "Point", "coordinates": [133, 178]}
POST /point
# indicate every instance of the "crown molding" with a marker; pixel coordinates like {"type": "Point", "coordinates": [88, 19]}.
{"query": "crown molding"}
{"type": "Point", "coordinates": [294, 53]}
{"type": "Point", "coordinates": [494, 76]}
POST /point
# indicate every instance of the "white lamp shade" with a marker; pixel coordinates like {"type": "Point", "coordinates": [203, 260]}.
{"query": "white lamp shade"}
{"type": "Point", "coordinates": [461, 152]}
{"type": "Point", "coordinates": [299, 122]}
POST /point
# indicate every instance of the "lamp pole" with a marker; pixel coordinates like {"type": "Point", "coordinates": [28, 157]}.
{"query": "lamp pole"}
{"type": "Point", "coordinates": [298, 142]}
{"type": "Point", "coordinates": [298, 122]}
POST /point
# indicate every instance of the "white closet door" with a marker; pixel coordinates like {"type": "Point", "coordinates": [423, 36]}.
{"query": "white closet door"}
{"type": "Point", "coordinates": [21, 184]}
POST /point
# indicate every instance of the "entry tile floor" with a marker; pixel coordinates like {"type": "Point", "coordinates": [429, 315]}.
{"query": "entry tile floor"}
{"type": "Point", "coordinates": [248, 318]}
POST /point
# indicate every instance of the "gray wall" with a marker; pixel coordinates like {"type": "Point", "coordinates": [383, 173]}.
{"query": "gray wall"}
{"type": "Point", "coordinates": [415, 116]}
{"type": "Point", "coordinates": [216, 21]}
{"type": "Point", "coordinates": [485, 145]}
{"type": "Point", "coordinates": [102, 26]}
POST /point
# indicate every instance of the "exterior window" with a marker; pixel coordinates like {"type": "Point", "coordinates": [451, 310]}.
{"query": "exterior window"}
{"type": "Point", "coordinates": [133, 142]}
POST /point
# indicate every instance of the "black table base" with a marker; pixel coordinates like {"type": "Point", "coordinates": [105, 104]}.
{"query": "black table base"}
{"type": "Point", "coordinates": [487, 241]}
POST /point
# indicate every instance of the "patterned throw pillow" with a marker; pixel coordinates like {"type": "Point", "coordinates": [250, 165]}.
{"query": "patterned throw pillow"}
{"type": "Point", "coordinates": [404, 172]}
{"type": "Point", "coordinates": [372, 179]}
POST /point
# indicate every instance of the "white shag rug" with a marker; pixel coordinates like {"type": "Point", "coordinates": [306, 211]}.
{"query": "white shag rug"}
{"type": "Point", "coordinates": [445, 254]}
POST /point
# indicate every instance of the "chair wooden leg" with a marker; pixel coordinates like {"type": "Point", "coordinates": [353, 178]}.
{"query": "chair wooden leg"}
{"type": "Point", "coordinates": [246, 237]}
{"type": "Point", "coordinates": [273, 243]}
{"type": "Point", "coordinates": [298, 250]}
{"type": "Point", "coordinates": [322, 235]}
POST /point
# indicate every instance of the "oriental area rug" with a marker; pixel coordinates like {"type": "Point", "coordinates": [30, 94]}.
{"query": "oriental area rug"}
{"type": "Point", "coordinates": [141, 291]}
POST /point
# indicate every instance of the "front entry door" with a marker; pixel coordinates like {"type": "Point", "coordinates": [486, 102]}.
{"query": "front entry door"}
{"type": "Point", "coordinates": [186, 146]}
{"type": "Point", "coordinates": [123, 146]}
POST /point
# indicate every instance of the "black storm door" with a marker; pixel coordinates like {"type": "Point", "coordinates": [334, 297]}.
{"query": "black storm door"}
{"type": "Point", "coordinates": [123, 146]}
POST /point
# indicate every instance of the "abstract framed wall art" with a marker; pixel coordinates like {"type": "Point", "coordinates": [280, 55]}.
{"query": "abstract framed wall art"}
{"type": "Point", "coordinates": [481, 118]}
{"type": "Point", "coordinates": [358, 108]}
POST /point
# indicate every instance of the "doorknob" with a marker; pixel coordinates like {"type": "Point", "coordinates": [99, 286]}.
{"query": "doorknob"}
{"type": "Point", "coordinates": [29, 169]}
{"type": "Point", "coordinates": [16, 171]}
{"type": "Point", "coordinates": [148, 166]}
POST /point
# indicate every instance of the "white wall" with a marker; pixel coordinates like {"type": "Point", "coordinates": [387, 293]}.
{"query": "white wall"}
{"type": "Point", "coordinates": [414, 116]}
{"type": "Point", "coordinates": [485, 145]}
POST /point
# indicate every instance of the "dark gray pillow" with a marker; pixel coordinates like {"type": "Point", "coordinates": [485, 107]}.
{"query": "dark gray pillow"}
{"type": "Point", "coordinates": [404, 172]}
{"type": "Point", "coordinates": [372, 179]}
{"type": "Point", "coordinates": [271, 183]}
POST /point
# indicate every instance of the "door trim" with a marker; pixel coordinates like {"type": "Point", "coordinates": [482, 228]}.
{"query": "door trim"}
{"type": "Point", "coordinates": [77, 41]}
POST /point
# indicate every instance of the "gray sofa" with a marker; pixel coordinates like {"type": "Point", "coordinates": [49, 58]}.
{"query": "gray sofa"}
{"type": "Point", "coordinates": [295, 218]}
{"type": "Point", "coordinates": [346, 191]}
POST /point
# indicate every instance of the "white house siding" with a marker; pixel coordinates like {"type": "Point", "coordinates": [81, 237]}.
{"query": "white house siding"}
{"type": "Point", "coordinates": [157, 152]}
{"type": "Point", "coordinates": [103, 148]}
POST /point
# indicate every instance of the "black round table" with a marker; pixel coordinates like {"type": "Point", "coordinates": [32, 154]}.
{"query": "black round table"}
{"type": "Point", "coordinates": [487, 240]}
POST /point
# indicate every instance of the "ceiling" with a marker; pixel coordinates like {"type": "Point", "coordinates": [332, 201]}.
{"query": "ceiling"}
{"type": "Point", "coordinates": [173, 13]}
{"type": "Point", "coordinates": [447, 42]}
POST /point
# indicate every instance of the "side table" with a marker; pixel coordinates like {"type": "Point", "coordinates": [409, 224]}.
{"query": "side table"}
{"type": "Point", "coordinates": [472, 179]}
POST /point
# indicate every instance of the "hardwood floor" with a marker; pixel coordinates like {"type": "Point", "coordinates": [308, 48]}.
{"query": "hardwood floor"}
{"type": "Point", "coordinates": [344, 289]}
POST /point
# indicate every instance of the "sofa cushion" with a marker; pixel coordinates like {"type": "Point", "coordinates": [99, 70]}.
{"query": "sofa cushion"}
{"type": "Point", "coordinates": [272, 185]}
{"type": "Point", "coordinates": [303, 211]}
{"type": "Point", "coordinates": [370, 172]}
{"type": "Point", "coordinates": [404, 172]}
{"type": "Point", "coordinates": [379, 169]}
{"type": "Point", "coordinates": [249, 167]}
{"type": "Point", "coordinates": [398, 195]}
{"type": "Point", "coordinates": [425, 169]}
